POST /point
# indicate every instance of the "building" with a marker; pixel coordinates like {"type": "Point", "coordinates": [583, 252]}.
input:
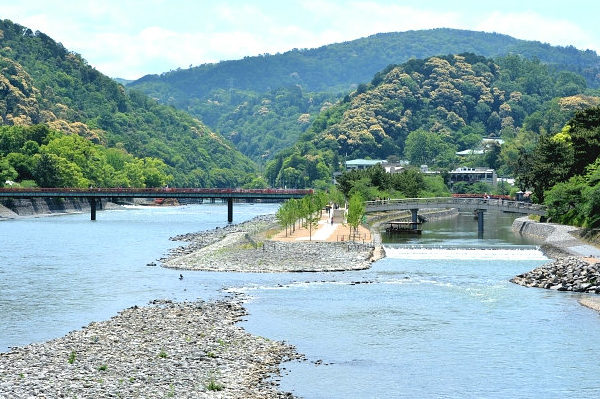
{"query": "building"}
{"type": "Point", "coordinates": [482, 148]}
{"type": "Point", "coordinates": [359, 164]}
{"type": "Point", "coordinates": [425, 170]}
{"type": "Point", "coordinates": [393, 167]}
{"type": "Point", "coordinates": [473, 175]}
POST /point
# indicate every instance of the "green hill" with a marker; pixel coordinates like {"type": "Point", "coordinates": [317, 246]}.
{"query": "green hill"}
{"type": "Point", "coordinates": [262, 103]}
{"type": "Point", "coordinates": [42, 82]}
{"type": "Point", "coordinates": [426, 110]}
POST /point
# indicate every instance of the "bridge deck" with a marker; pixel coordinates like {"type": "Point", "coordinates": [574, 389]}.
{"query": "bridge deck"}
{"type": "Point", "coordinates": [152, 193]}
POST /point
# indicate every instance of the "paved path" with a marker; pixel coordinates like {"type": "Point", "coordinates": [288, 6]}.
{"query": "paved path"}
{"type": "Point", "coordinates": [324, 231]}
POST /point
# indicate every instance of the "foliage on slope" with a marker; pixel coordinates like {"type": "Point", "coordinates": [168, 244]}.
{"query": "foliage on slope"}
{"type": "Point", "coordinates": [426, 110]}
{"type": "Point", "coordinates": [49, 158]}
{"type": "Point", "coordinates": [228, 96]}
{"type": "Point", "coordinates": [42, 82]}
{"type": "Point", "coordinates": [261, 125]}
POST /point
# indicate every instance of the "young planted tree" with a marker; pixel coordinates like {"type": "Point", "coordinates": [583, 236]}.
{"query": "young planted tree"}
{"type": "Point", "coordinates": [311, 205]}
{"type": "Point", "coordinates": [356, 211]}
{"type": "Point", "coordinates": [281, 217]}
{"type": "Point", "coordinates": [287, 214]}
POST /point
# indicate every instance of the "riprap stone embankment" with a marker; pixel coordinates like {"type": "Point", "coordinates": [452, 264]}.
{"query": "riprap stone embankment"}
{"type": "Point", "coordinates": [564, 274]}
{"type": "Point", "coordinates": [574, 268]}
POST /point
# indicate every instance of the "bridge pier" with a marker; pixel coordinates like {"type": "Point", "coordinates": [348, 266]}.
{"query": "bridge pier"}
{"type": "Point", "coordinates": [480, 222]}
{"type": "Point", "coordinates": [229, 210]}
{"type": "Point", "coordinates": [414, 213]}
{"type": "Point", "coordinates": [92, 201]}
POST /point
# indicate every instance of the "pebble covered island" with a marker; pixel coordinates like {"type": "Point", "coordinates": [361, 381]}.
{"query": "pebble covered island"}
{"type": "Point", "coordinates": [181, 350]}
{"type": "Point", "coordinates": [165, 349]}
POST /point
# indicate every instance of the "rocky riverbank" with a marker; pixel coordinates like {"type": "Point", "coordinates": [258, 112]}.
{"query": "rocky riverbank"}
{"type": "Point", "coordinates": [166, 349]}
{"type": "Point", "coordinates": [574, 267]}
{"type": "Point", "coordinates": [246, 248]}
{"type": "Point", "coordinates": [564, 274]}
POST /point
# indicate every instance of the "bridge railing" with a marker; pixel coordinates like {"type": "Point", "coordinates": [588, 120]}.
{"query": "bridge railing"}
{"type": "Point", "coordinates": [407, 203]}
{"type": "Point", "coordinates": [157, 191]}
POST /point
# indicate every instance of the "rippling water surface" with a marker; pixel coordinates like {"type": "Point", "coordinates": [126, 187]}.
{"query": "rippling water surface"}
{"type": "Point", "coordinates": [437, 318]}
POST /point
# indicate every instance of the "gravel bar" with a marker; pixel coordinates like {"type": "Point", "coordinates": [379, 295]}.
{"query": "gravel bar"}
{"type": "Point", "coordinates": [239, 248]}
{"type": "Point", "coordinates": [166, 349]}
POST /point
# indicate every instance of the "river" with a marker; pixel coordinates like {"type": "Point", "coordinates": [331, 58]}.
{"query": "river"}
{"type": "Point", "coordinates": [437, 318]}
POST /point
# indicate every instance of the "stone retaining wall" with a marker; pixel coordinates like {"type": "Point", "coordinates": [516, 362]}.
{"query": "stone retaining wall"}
{"type": "Point", "coordinates": [19, 207]}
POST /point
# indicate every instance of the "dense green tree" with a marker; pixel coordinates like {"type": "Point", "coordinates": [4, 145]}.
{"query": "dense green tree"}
{"type": "Point", "coordinates": [423, 147]}
{"type": "Point", "coordinates": [584, 136]}
{"type": "Point", "coordinates": [592, 207]}
{"type": "Point", "coordinates": [547, 165]}
{"type": "Point", "coordinates": [7, 172]}
{"type": "Point", "coordinates": [50, 170]}
{"type": "Point", "coordinates": [262, 106]}
{"type": "Point", "coordinates": [410, 183]}
{"type": "Point", "coordinates": [566, 202]}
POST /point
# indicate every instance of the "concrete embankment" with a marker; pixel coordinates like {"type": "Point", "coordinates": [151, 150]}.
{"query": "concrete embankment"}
{"type": "Point", "coordinates": [16, 208]}
{"type": "Point", "coordinates": [557, 240]}
{"type": "Point", "coordinates": [179, 350]}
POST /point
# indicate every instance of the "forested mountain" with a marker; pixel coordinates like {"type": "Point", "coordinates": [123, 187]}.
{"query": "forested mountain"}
{"type": "Point", "coordinates": [342, 64]}
{"type": "Point", "coordinates": [262, 103]}
{"type": "Point", "coordinates": [426, 110]}
{"type": "Point", "coordinates": [41, 82]}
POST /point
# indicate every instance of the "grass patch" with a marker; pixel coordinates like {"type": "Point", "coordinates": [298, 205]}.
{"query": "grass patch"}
{"type": "Point", "coordinates": [104, 367]}
{"type": "Point", "coordinates": [72, 357]}
{"type": "Point", "coordinates": [272, 232]}
{"type": "Point", "coordinates": [162, 354]}
{"type": "Point", "coordinates": [214, 385]}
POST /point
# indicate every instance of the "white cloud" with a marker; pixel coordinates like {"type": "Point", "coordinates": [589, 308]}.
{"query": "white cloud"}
{"type": "Point", "coordinates": [533, 26]}
{"type": "Point", "coordinates": [135, 37]}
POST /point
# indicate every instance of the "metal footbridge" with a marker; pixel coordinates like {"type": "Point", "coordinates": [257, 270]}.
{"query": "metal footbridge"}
{"type": "Point", "coordinates": [477, 205]}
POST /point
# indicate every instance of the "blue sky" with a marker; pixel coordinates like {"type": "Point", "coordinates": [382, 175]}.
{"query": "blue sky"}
{"type": "Point", "coordinates": [131, 38]}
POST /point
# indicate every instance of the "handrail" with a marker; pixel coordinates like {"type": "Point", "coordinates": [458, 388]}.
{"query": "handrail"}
{"type": "Point", "coordinates": [161, 190]}
{"type": "Point", "coordinates": [500, 203]}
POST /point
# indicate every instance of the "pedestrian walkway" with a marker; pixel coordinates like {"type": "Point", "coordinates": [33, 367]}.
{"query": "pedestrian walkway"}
{"type": "Point", "coordinates": [325, 231]}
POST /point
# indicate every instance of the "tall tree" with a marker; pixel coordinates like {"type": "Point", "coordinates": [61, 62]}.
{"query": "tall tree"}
{"type": "Point", "coordinates": [584, 132]}
{"type": "Point", "coordinates": [547, 165]}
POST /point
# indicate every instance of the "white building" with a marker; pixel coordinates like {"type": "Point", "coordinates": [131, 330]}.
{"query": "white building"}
{"type": "Point", "coordinates": [473, 175]}
{"type": "Point", "coordinates": [359, 164]}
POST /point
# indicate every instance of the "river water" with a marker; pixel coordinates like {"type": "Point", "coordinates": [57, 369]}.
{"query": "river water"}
{"type": "Point", "coordinates": [437, 318]}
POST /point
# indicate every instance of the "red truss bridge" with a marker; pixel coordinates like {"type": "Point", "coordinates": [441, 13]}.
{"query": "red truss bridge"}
{"type": "Point", "coordinates": [93, 194]}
